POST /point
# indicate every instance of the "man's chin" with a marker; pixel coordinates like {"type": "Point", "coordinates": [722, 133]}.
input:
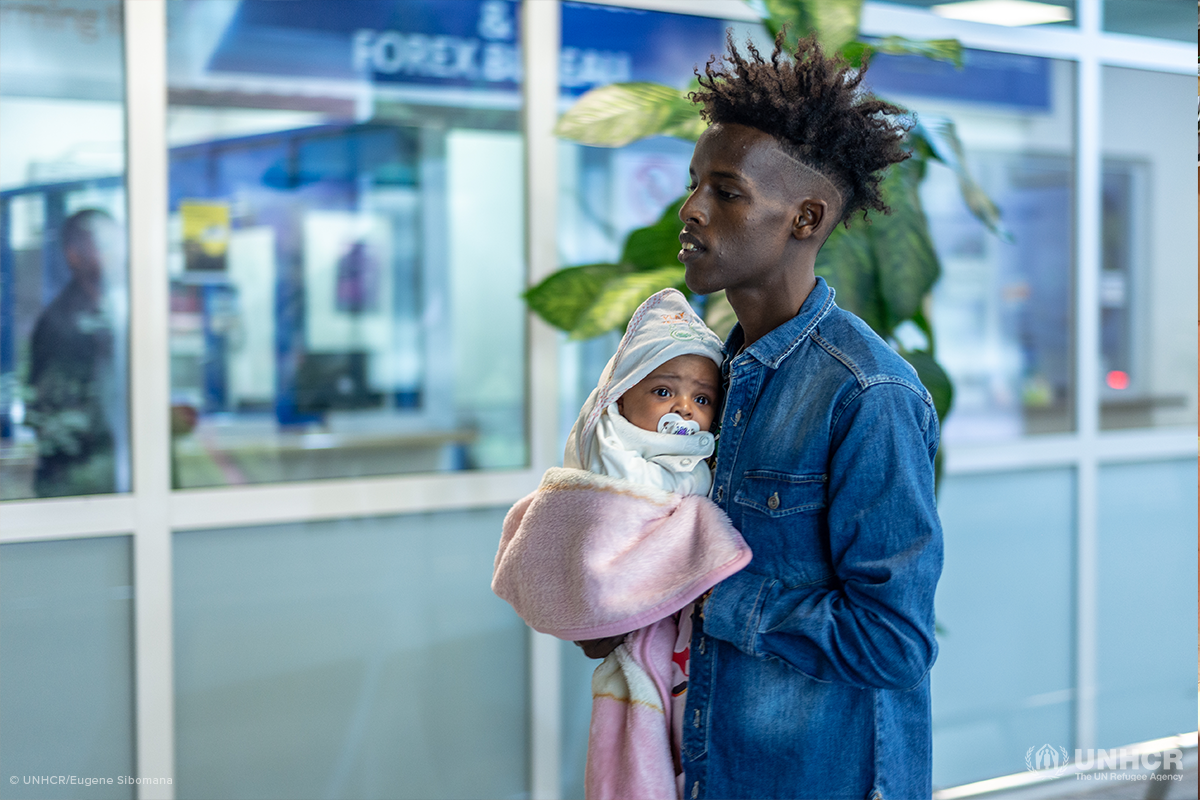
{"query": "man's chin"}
{"type": "Point", "coordinates": [700, 284]}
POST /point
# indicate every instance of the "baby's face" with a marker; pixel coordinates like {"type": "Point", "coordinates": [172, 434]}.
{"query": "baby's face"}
{"type": "Point", "coordinates": [689, 386]}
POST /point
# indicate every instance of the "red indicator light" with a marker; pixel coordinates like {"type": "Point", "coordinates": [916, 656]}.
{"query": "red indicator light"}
{"type": "Point", "coordinates": [1116, 379]}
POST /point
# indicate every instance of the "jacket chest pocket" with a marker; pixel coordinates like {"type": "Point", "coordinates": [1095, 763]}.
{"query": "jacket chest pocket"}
{"type": "Point", "coordinates": [783, 521]}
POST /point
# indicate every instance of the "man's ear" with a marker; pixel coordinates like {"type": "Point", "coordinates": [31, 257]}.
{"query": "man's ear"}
{"type": "Point", "coordinates": [809, 217]}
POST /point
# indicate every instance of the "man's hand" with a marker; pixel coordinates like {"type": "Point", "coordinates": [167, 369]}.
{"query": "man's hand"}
{"type": "Point", "coordinates": [600, 648]}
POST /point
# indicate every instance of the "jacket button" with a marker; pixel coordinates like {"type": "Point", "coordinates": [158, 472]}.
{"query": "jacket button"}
{"type": "Point", "coordinates": [773, 501]}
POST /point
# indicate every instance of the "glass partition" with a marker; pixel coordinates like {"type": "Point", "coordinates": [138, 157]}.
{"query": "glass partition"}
{"type": "Point", "coordinates": [353, 658]}
{"type": "Point", "coordinates": [1002, 311]}
{"type": "Point", "coordinates": [1004, 676]}
{"type": "Point", "coordinates": [1146, 607]}
{"type": "Point", "coordinates": [66, 699]}
{"type": "Point", "coordinates": [64, 316]}
{"type": "Point", "coordinates": [1164, 19]}
{"type": "Point", "coordinates": [1148, 278]}
{"type": "Point", "coordinates": [346, 238]}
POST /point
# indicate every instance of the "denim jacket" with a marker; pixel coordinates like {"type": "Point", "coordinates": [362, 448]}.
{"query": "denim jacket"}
{"type": "Point", "coordinates": [809, 673]}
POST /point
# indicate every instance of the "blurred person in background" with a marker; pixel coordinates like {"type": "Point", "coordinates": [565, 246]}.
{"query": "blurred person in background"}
{"type": "Point", "coordinates": [71, 371]}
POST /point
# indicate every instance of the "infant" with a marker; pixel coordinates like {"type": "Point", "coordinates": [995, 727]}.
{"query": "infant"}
{"type": "Point", "coordinates": [613, 548]}
{"type": "Point", "coordinates": [639, 438]}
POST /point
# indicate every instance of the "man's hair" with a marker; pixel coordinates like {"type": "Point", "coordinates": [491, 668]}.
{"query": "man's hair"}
{"type": "Point", "coordinates": [78, 225]}
{"type": "Point", "coordinates": [813, 106]}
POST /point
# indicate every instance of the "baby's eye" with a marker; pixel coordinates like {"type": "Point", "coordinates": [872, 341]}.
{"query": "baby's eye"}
{"type": "Point", "coordinates": [662, 391]}
{"type": "Point", "coordinates": [702, 400]}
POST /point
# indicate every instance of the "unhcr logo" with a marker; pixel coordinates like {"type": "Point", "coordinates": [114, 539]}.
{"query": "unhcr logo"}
{"type": "Point", "coordinates": [1047, 758]}
{"type": "Point", "coordinates": [1117, 764]}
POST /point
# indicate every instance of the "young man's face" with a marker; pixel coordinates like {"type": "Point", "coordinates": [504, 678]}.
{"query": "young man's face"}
{"type": "Point", "coordinates": [686, 385]}
{"type": "Point", "coordinates": [741, 215]}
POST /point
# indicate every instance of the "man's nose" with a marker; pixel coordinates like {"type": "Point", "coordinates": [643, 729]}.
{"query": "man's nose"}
{"type": "Point", "coordinates": [692, 210]}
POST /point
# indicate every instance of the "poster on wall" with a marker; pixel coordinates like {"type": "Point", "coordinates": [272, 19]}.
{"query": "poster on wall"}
{"type": "Point", "coordinates": [205, 235]}
{"type": "Point", "coordinates": [348, 283]}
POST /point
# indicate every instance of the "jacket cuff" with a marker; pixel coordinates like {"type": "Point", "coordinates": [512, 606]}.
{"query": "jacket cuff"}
{"type": "Point", "coordinates": [732, 612]}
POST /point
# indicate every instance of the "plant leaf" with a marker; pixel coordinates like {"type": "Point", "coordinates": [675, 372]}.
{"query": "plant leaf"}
{"type": "Point", "coordinates": [903, 251]}
{"type": "Point", "coordinates": [565, 296]}
{"type": "Point", "coordinates": [941, 141]}
{"type": "Point", "coordinates": [950, 50]}
{"type": "Point", "coordinates": [656, 245]}
{"type": "Point", "coordinates": [621, 297]}
{"type": "Point", "coordinates": [835, 22]}
{"type": "Point", "coordinates": [922, 322]}
{"type": "Point", "coordinates": [935, 379]}
{"type": "Point", "coordinates": [847, 262]}
{"type": "Point", "coordinates": [620, 113]}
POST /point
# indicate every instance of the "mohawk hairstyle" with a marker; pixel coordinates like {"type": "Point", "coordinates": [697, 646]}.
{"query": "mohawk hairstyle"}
{"type": "Point", "coordinates": [812, 105]}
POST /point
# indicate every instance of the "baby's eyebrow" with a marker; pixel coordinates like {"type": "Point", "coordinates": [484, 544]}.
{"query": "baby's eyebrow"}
{"type": "Point", "coordinates": [671, 376]}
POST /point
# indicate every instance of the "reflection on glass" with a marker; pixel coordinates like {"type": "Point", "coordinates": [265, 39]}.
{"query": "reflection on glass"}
{"type": "Point", "coordinates": [63, 293]}
{"type": "Point", "coordinates": [346, 233]}
{"type": "Point", "coordinates": [1002, 311]}
{"type": "Point", "coordinates": [1147, 282]}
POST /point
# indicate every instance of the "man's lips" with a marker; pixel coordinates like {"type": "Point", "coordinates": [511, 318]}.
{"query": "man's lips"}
{"type": "Point", "coordinates": [691, 245]}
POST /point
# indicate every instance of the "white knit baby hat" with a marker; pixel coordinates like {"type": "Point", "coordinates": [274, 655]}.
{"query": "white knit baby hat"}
{"type": "Point", "coordinates": [663, 327]}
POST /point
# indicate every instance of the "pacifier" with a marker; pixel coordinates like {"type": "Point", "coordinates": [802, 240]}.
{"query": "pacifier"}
{"type": "Point", "coordinates": [676, 425]}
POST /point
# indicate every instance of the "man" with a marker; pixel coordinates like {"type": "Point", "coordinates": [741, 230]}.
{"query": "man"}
{"type": "Point", "coordinates": [808, 673]}
{"type": "Point", "coordinates": [77, 394]}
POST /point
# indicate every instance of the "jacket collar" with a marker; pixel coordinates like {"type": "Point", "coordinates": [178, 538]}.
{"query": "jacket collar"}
{"type": "Point", "coordinates": [777, 345]}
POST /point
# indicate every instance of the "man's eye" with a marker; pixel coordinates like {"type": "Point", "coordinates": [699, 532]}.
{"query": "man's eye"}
{"type": "Point", "coordinates": [691, 187]}
{"type": "Point", "coordinates": [726, 195]}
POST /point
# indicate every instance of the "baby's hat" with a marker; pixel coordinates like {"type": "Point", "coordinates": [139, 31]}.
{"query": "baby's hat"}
{"type": "Point", "coordinates": [663, 327]}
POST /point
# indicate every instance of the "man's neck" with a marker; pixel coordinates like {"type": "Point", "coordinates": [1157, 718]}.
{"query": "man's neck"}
{"type": "Point", "coordinates": [762, 309]}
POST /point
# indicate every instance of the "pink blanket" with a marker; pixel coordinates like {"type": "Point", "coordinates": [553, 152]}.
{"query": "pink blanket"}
{"type": "Point", "coordinates": [588, 556]}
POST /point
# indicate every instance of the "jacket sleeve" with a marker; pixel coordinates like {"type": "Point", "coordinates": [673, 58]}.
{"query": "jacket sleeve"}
{"type": "Point", "coordinates": [872, 624]}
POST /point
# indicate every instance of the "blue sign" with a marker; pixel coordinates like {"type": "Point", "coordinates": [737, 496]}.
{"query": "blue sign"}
{"type": "Point", "coordinates": [474, 44]}
{"type": "Point", "coordinates": [986, 77]}
{"type": "Point", "coordinates": [465, 43]}
{"type": "Point", "coordinates": [442, 42]}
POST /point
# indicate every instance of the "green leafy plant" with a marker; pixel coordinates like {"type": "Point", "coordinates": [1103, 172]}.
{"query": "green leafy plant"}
{"type": "Point", "coordinates": [883, 272]}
